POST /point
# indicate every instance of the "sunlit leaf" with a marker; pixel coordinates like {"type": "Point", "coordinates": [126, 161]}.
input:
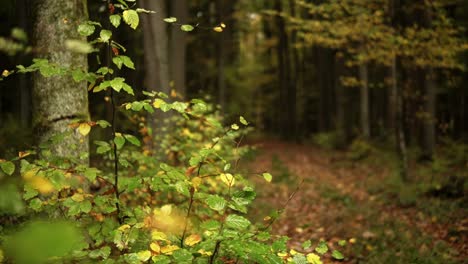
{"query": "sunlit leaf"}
{"type": "Point", "coordinates": [8, 167]}
{"type": "Point", "coordinates": [267, 176]}
{"type": "Point", "coordinates": [169, 249]}
{"type": "Point", "coordinates": [187, 28]}
{"type": "Point", "coordinates": [337, 255]}
{"type": "Point", "coordinates": [144, 255]}
{"type": "Point", "coordinates": [115, 20]}
{"type": "Point", "coordinates": [131, 18]}
{"type": "Point", "coordinates": [192, 239]}
{"type": "Point", "coordinates": [228, 179]}
{"type": "Point", "coordinates": [322, 248]}
{"type": "Point", "coordinates": [170, 20]}
{"type": "Point", "coordinates": [84, 129]}
{"type": "Point", "coordinates": [313, 259]}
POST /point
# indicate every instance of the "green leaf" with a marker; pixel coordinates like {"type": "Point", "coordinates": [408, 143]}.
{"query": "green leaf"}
{"type": "Point", "coordinates": [267, 176]}
{"type": "Point", "coordinates": [322, 248]}
{"type": "Point", "coordinates": [243, 121]}
{"type": "Point", "coordinates": [105, 35]}
{"type": "Point", "coordinates": [170, 20]}
{"type": "Point", "coordinates": [337, 255]}
{"type": "Point", "coordinates": [234, 126]}
{"type": "Point", "coordinates": [141, 10]}
{"type": "Point", "coordinates": [8, 167]}
{"type": "Point", "coordinates": [103, 123]}
{"type": "Point", "coordinates": [307, 244]}
{"type": "Point", "coordinates": [131, 18]}
{"type": "Point", "coordinates": [78, 46]}
{"type": "Point", "coordinates": [127, 62]}
{"type": "Point", "coordinates": [115, 20]}
{"type": "Point", "coordinates": [132, 139]}
{"type": "Point", "coordinates": [299, 259]}
{"type": "Point", "coordinates": [119, 141]}
{"type": "Point", "coordinates": [35, 204]}
{"type": "Point", "coordinates": [216, 202]}
{"type": "Point", "coordinates": [86, 29]}
{"type": "Point", "coordinates": [85, 206]}
{"type": "Point", "coordinates": [128, 89]}
{"type": "Point", "coordinates": [117, 83]}
{"type": "Point", "coordinates": [187, 28]}
{"type": "Point", "coordinates": [237, 222]}
{"type": "Point", "coordinates": [342, 243]}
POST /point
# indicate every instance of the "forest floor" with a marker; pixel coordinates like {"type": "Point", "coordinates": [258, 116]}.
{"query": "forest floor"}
{"type": "Point", "coordinates": [338, 200]}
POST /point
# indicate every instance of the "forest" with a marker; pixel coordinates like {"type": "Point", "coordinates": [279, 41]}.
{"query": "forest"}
{"type": "Point", "coordinates": [234, 131]}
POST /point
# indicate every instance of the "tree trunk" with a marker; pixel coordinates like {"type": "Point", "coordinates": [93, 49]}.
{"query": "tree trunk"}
{"type": "Point", "coordinates": [400, 136]}
{"type": "Point", "coordinates": [340, 119]}
{"type": "Point", "coordinates": [59, 100]}
{"type": "Point", "coordinates": [364, 100]}
{"type": "Point", "coordinates": [429, 121]}
{"type": "Point", "coordinates": [220, 59]}
{"type": "Point", "coordinates": [179, 47]}
{"type": "Point", "coordinates": [155, 44]}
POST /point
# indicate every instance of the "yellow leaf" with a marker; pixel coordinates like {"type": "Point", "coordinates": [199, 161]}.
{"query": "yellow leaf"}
{"type": "Point", "coordinates": [218, 29]}
{"type": "Point", "coordinates": [157, 103]}
{"type": "Point", "coordinates": [23, 154]}
{"type": "Point", "coordinates": [292, 252]}
{"type": "Point", "coordinates": [41, 184]}
{"type": "Point", "coordinates": [205, 253]}
{"type": "Point", "coordinates": [167, 250]}
{"type": "Point", "coordinates": [155, 247]}
{"type": "Point", "coordinates": [196, 182]}
{"type": "Point", "coordinates": [192, 240]}
{"type": "Point", "coordinates": [78, 198]}
{"type": "Point", "coordinates": [173, 93]}
{"type": "Point", "coordinates": [282, 254]}
{"type": "Point", "coordinates": [124, 227]}
{"type": "Point", "coordinates": [228, 179]}
{"type": "Point", "coordinates": [313, 258]}
{"type": "Point", "coordinates": [84, 129]}
{"type": "Point", "coordinates": [144, 255]}
{"type": "Point", "coordinates": [223, 25]}
{"type": "Point", "coordinates": [5, 73]}
{"type": "Point", "coordinates": [166, 209]}
{"type": "Point", "coordinates": [158, 236]}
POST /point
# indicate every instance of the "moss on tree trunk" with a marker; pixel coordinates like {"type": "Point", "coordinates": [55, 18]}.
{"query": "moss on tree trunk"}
{"type": "Point", "coordinates": [59, 100]}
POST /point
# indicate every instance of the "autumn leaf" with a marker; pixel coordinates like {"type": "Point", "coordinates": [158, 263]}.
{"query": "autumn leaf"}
{"type": "Point", "coordinates": [84, 129]}
{"type": "Point", "coordinates": [228, 179]}
{"type": "Point", "coordinates": [192, 240]}
{"type": "Point", "coordinates": [169, 249]}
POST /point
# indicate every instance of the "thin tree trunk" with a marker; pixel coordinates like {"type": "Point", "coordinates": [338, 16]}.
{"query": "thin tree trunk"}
{"type": "Point", "coordinates": [364, 100]}
{"type": "Point", "coordinates": [179, 47]}
{"type": "Point", "coordinates": [430, 120]}
{"type": "Point", "coordinates": [221, 54]}
{"type": "Point", "coordinates": [155, 43]}
{"type": "Point", "coordinates": [59, 100]}
{"type": "Point", "coordinates": [24, 83]}
{"type": "Point", "coordinates": [283, 61]}
{"type": "Point", "coordinates": [340, 124]}
{"type": "Point", "coordinates": [400, 137]}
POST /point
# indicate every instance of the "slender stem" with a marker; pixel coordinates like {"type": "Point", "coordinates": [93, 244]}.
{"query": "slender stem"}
{"type": "Point", "coordinates": [113, 122]}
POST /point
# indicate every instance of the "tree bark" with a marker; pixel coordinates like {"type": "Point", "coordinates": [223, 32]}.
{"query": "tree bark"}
{"type": "Point", "coordinates": [364, 100]}
{"type": "Point", "coordinates": [220, 59]}
{"type": "Point", "coordinates": [59, 100]}
{"type": "Point", "coordinates": [400, 136]}
{"type": "Point", "coordinates": [429, 134]}
{"type": "Point", "coordinates": [340, 120]}
{"type": "Point", "coordinates": [178, 47]}
{"type": "Point", "coordinates": [155, 44]}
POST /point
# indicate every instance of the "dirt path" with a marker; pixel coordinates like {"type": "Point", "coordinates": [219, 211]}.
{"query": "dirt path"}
{"type": "Point", "coordinates": [333, 204]}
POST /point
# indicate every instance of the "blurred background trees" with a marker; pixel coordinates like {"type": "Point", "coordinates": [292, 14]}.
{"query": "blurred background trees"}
{"type": "Point", "coordinates": [387, 71]}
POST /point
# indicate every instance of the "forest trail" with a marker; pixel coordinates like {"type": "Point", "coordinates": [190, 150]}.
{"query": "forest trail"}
{"type": "Point", "coordinates": [333, 203]}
